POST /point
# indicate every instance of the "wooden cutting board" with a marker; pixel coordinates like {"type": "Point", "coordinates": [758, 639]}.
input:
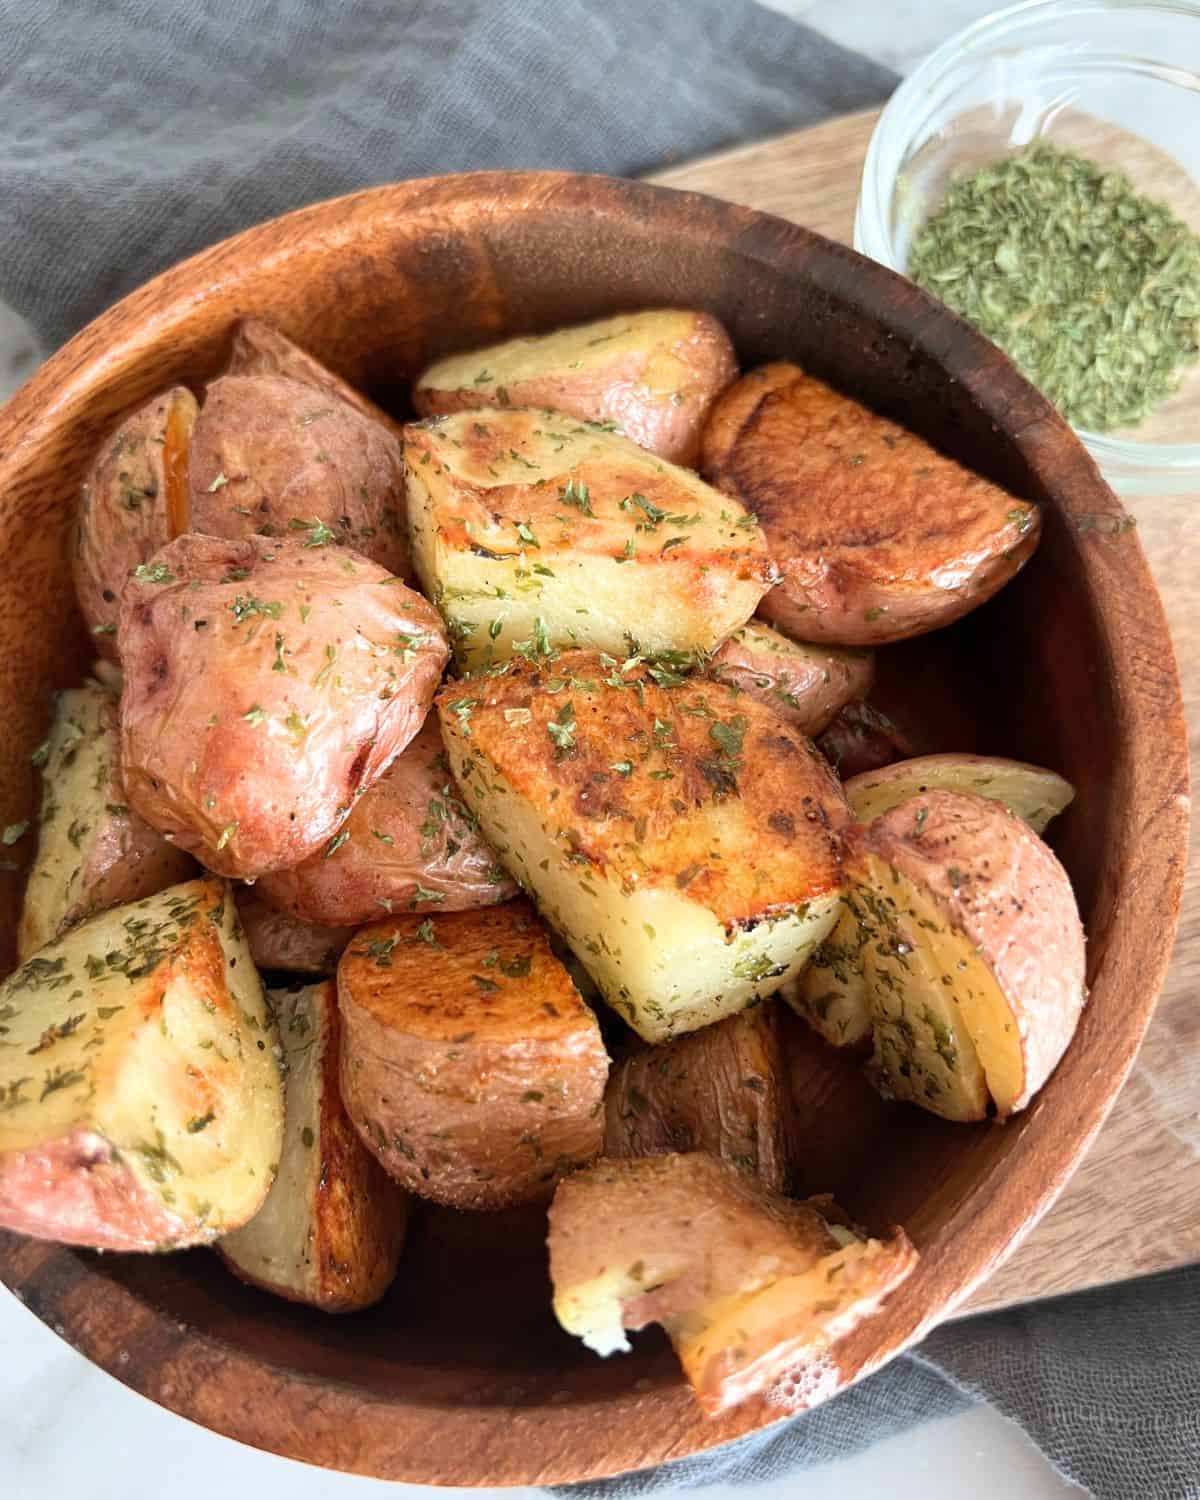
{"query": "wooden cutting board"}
{"type": "Point", "coordinates": [1133, 1206]}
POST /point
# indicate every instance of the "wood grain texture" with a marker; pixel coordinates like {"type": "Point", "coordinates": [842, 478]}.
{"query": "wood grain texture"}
{"type": "Point", "coordinates": [1099, 1231]}
{"type": "Point", "coordinates": [460, 1376]}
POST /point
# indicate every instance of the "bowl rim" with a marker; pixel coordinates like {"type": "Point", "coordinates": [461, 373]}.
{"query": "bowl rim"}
{"type": "Point", "coordinates": [247, 1397]}
{"type": "Point", "coordinates": [1132, 467]}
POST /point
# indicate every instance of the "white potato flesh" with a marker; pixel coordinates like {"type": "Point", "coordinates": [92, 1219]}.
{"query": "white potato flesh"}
{"type": "Point", "coordinates": [332, 1228]}
{"type": "Point", "coordinates": [975, 955]}
{"type": "Point", "coordinates": [832, 993]}
{"type": "Point", "coordinates": [679, 836]}
{"type": "Point", "coordinates": [93, 850]}
{"type": "Point", "coordinates": [1033, 793]}
{"type": "Point", "coordinates": [141, 1104]}
{"type": "Point", "coordinates": [532, 526]}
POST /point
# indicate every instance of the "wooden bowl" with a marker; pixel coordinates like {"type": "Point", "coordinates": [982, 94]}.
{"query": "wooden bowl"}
{"type": "Point", "coordinates": [461, 1376]}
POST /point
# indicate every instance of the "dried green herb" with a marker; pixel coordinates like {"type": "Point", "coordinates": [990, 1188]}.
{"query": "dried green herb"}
{"type": "Point", "coordinates": [1091, 288]}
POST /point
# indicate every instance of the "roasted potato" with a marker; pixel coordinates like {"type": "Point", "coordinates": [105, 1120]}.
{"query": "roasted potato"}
{"type": "Point", "coordinates": [93, 850]}
{"type": "Point", "coordinates": [832, 993]}
{"type": "Point", "coordinates": [278, 941]}
{"type": "Point", "coordinates": [653, 374]}
{"type": "Point", "coordinates": [275, 457]}
{"type": "Point", "coordinates": [747, 1284]}
{"type": "Point", "coordinates": [860, 738]}
{"type": "Point", "coordinates": [805, 684]}
{"type": "Point", "coordinates": [679, 836]}
{"type": "Point", "coordinates": [332, 1228]}
{"type": "Point", "coordinates": [408, 845]}
{"type": "Point", "coordinates": [470, 1065]}
{"type": "Point", "coordinates": [267, 684]}
{"type": "Point", "coordinates": [141, 1103]}
{"type": "Point", "coordinates": [723, 1089]}
{"type": "Point", "coordinates": [259, 349]}
{"type": "Point", "coordinates": [974, 958]}
{"type": "Point", "coordinates": [1031, 792]}
{"type": "Point", "coordinates": [879, 536]}
{"type": "Point", "coordinates": [134, 501]}
{"type": "Point", "coordinates": [529, 527]}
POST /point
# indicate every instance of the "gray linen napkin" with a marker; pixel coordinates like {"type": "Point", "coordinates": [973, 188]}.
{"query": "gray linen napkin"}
{"type": "Point", "coordinates": [137, 131]}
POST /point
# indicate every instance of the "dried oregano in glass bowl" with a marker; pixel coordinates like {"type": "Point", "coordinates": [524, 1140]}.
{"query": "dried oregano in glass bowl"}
{"type": "Point", "coordinates": [1090, 286]}
{"type": "Point", "coordinates": [1094, 104]}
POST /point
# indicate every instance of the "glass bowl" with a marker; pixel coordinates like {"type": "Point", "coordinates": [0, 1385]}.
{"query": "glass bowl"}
{"type": "Point", "coordinates": [1116, 82]}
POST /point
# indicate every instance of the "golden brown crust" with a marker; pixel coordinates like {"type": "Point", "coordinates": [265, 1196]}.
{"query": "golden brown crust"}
{"type": "Point", "coordinates": [134, 501]}
{"type": "Point", "coordinates": [805, 684]}
{"type": "Point", "coordinates": [273, 457]}
{"type": "Point", "coordinates": [360, 1212]}
{"type": "Point", "coordinates": [723, 1089]}
{"type": "Point", "coordinates": [655, 374]}
{"type": "Point", "coordinates": [470, 1065]}
{"type": "Point", "coordinates": [266, 685]}
{"type": "Point", "coordinates": [878, 535]}
{"type": "Point", "coordinates": [259, 349]}
{"type": "Point", "coordinates": [410, 845]}
{"type": "Point", "coordinates": [528, 522]}
{"type": "Point", "coordinates": [688, 743]}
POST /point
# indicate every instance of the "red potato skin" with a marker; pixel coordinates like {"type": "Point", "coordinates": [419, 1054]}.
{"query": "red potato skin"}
{"type": "Point", "coordinates": [804, 694]}
{"type": "Point", "coordinates": [1003, 887]}
{"type": "Point", "coordinates": [259, 349]}
{"type": "Point", "coordinates": [860, 738]}
{"type": "Point", "coordinates": [706, 1219]}
{"type": "Point", "coordinates": [387, 856]}
{"type": "Point", "coordinates": [278, 941]}
{"type": "Point", "coordinates": [251, 795]}
{"type": "Point", "coordinates": [474, 1100]}
{"type": "Point", "coordinates": [270, 456]}
{"type": "Point", "coordinates": [134, 500]}
{"type": "Point", "coordinates": [617, 393]}
{"type": "Point", "coordinates": [879, 536]}
{"type": "Point", "coordinates": [722, 1089]}
{"type": "Point", "coordinates": [80, 1192]}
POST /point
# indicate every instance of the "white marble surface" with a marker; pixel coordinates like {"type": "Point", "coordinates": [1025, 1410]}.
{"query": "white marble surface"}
{"type": "Point", "coordinates": [69, 1429]}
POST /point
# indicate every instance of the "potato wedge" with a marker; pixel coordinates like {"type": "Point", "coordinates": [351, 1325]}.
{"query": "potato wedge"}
{"type": "Point", "coordinates": [805, 684]}
{"type": "Point", "coordinates": [678, 835]}
{"type": "Point", "coordinates": [141, 1103]}
{"type": "Point", "coordinates": [409, 844]}
{"type": "Point", "coordinates": [528, 526]}
{"type": "Point", "coordinates": [135, 500]}
{"type": "Point", "coordinates": [275, 457]}
{"type": "Point", "coordinates": [1035, 795]}
{"type": "Point", "coordinates": [653, 374]}
{"type": "Point", "coordinates": [879, 536]}
{"type": "Point", "coordinates": [723, 1089]}
{"type": "Point", "coordinates": [259, 349]}
{"type": "Point", "coordinates": [748, 1285]}
{"type": "Point", "coordinates": [860, 738]}
{"type": "Point", "coordinates": [267, 684]}
{"type": "Point", "coordinates": [470, 1065]}
{"type": "Point", "coordinates": [332, 1228]}
{"type": "Point", "coordinates": [975, 954]}
{"type": "Point", "coordinates": [280, 942]}
{"type": "Point", "coordinates": [832, 993]}
{"type": "Point", "coordinates": [93, 850]}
